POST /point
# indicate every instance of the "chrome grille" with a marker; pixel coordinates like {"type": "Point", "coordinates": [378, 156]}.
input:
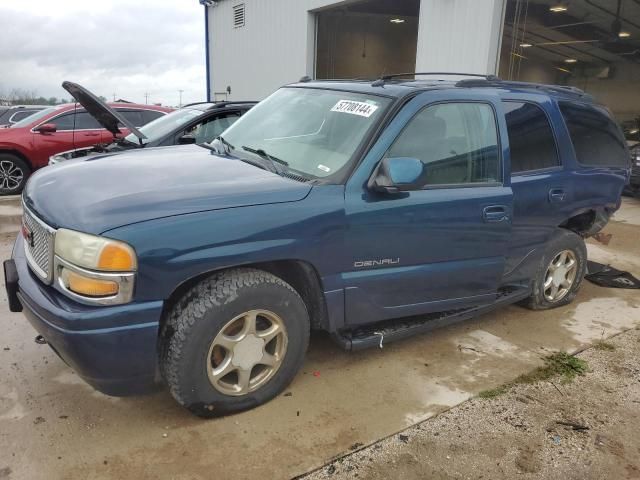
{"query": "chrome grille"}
{"type": "Point", "coordinates": [38, 243]}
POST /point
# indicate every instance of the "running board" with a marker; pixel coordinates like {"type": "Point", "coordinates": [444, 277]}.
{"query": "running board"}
{"type": "Point", "coordinates": [378, 334]}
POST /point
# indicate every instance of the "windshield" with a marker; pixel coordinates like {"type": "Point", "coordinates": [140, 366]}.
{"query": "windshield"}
{"type": "Point", "coordinates": [313, 132]}
{"type": "Point", "coordinates": [33, 118]}
{"type": "Point", "coordinates": [165, 124]}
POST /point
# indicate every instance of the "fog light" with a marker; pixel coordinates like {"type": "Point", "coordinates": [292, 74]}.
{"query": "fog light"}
{"type": "Point", "coordinates": [88, 287]}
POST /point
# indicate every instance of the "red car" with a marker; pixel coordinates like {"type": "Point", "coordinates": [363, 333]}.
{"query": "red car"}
{"type": "Point", "coordinates": [28, 144]}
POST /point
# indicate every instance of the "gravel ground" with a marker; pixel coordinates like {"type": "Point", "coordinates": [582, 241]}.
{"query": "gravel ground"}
{"type": "Point", "coordinates": [517, 434]}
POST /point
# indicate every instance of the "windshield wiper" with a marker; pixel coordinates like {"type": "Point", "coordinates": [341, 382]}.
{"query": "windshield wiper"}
{"type": "Point", "coordinates": [275, 162]}
{"type": "Point", "coordinates": [227, 147]}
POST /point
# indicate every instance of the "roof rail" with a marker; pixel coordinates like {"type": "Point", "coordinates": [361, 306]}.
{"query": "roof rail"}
{"type": "Point", "coordinates": [381, 81]}
{"type": "Point", "coordinates": [566, 89]}
{"type": "Point", "coordinates": [219, 104]}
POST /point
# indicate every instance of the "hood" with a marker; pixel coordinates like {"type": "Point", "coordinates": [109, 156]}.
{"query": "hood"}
{"type": "Point", "coordinates": [109, 191]}
{"type": "Point", "coordinates": [103, 113]}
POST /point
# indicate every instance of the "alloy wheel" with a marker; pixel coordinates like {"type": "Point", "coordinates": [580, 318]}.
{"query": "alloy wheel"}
{"type": "Point", "coordinates": [11, 175]}
{"type": "Point", "coordinates": [247, 352]}
{"type": "Point", "coordinates": [560, 276]}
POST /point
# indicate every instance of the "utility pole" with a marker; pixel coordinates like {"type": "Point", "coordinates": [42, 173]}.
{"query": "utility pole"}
{"type": "Point", "coordinates": [180, 105]}
{"type": "Point", "coordinates": [114, 96]}
{"type": "Point", "coordinates": [146, 98]}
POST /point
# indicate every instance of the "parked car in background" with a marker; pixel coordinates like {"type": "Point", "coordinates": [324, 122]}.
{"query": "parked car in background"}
{"type": "Point", "coordinates": [28, 144]}
{"type": "Point", "coordinates": [16, 113]}
{"type": "Point", "coordinates": [195, 123]}
{"type": "Point", "coordinates": [634, 183]}
{"type": "Point", "coordinates": [373, 211]}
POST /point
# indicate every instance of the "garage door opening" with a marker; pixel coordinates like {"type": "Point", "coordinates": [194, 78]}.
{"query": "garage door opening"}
{"type": "Point", "coordinates": [590, 44]}
{"type": "Point", "coordinates": [367, 39]}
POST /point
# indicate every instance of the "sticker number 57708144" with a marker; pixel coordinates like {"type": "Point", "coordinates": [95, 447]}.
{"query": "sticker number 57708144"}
{"type": "Point", "coordinates": [361, 109]}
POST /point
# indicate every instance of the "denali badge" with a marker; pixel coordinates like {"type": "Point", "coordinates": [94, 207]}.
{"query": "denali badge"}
{"type": "Point", "coordinates": [376, 263]}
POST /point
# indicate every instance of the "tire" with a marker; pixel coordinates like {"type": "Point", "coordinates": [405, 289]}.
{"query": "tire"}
{"type": "Point", "coordinates": [562, 241]}
{"type": "Point", "coordinates": [218, 310]}
{"type": "Point", "coordinates": [14, 173]}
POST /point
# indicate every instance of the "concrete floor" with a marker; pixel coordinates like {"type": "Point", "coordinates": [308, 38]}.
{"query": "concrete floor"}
{"type": "Point", "coordinates": [54, 426]}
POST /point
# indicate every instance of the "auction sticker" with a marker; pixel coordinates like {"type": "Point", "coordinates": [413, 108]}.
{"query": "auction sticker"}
{"type": "Point", "coordinates": [361, 109]}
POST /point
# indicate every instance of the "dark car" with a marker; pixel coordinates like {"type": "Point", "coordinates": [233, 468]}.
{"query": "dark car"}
{"type": "Point", "coordinates": [634, 184]}
{"type": "Point", "coordinates": [195, 123]}
{"type": "Point", "coordinates": [372, 211]}
{"type": "Point", "coordinates": [28, 144]}
{"type": "Point", "coordinates": [16, 113]}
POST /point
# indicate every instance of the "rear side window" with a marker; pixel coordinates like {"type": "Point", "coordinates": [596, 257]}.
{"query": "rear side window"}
{"type": "Point", "coordinates": [150, 115]}
{"type": "Point", "coordinates": [132, 116]}
{"type": "Point", "coordinates": [597, 140]}
{"type": "Point", "coordinates": [531, 140]}
{"type": "Point", "coordinates": [82, 121]}
{"type": "Point", "coordinates": [21, 115]}
{"type": "Point", "coordinates": [456, 142]}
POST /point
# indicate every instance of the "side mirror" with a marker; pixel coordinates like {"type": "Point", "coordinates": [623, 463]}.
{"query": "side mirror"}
{"type": "Point", "coordinates": [187, 139]}
{"type": "Point", "coordinates": [46, 128]}
{"type": "Point", "coordinates": [398, 174]}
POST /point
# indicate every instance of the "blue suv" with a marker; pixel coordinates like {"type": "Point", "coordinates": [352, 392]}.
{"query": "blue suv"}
{"type": "Point", "coordinates": [370, 210]}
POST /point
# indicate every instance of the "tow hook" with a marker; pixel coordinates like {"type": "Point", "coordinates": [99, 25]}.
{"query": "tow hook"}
{"type": "Point", "coordinates": [40, 340]}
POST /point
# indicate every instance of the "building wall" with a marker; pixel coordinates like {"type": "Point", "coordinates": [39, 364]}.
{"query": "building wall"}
{"type": "Point", "coordinates": [277, 44]}
{"type": "Point", "coordinates": [460, 35]}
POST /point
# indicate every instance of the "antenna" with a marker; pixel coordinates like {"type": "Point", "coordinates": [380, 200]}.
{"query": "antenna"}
{"type": "Point", "coordinates": [180, 106]}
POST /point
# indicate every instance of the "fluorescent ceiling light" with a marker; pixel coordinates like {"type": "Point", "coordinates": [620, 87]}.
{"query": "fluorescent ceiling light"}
{"type": "Point", "coordinates": [624, 34]}
{"type": "Point", "coordinates": [518, 55]}
{"type": "Point", "coordinates": [570, 60]}
{"type": "Point", "coordinates": [397, 20]}
{"type": "Point", "coordinates": [563, 70]}
{"type": "Point", "coordinates": [633, 132]}
{"type": "Point", "coordinates": [526, 45]}
{"type": "Point", "coordinates": [558, 8]}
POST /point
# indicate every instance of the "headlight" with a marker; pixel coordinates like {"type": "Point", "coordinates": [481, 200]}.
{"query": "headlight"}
{"type": "Point", "coordinates": [96, 253]}
{"type": "Point", "coordinates": [92, 269]}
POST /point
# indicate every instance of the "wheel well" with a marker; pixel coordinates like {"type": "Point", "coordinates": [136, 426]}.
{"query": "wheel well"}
{"type": "Point", "coordinates": [302, 276]}
{"type": "Point", "coordinates": [20, 156]}
{"type": "Point", "coordinates": [587, 223]}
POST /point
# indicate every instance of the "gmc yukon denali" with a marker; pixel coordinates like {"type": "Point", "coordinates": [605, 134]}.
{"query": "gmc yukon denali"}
{"type": "Point", "coordinates": [371, 210]}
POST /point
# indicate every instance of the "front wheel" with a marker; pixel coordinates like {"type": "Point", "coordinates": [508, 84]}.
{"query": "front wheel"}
{"type": "Point", "coordinates": [14, 173]}
{"type": "Point", "coordinates": [233, 342]}
{"type": "Point", "coordinates": [560, 272]}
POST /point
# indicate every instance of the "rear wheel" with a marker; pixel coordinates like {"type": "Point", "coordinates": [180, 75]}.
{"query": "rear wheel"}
{"type": "Point", "coordinates": [560, 272]}
{"type": "Point", "coordinates": [14, 173]}
{"type": "Point", "coordinates": [233, 342]}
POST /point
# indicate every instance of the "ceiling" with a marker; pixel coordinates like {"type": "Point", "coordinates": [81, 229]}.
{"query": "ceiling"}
{"type": "Point", "coordinates": [588, 31]}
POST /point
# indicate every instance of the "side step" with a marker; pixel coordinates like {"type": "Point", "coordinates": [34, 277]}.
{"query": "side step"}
{"type": "Point", "coordinates": [386, 331]}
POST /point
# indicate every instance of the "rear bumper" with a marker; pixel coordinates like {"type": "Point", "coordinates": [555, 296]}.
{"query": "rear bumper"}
{"type": "Point", "coordinates": [114, 349]}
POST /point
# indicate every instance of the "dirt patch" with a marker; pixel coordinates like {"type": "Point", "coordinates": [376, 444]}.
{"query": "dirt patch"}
{"type": "Point", "coordinates": [586, 428]}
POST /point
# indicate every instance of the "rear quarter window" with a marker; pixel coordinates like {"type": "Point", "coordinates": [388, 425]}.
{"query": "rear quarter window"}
{"type": "Point", "coordinates": [597, 139]}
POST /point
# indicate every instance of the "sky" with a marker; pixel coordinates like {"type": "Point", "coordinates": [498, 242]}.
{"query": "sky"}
{"type": "Point", "coordinates": [109, 46]}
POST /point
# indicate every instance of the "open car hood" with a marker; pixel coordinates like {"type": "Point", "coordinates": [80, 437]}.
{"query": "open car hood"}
{"type": "Point", "coordinates": [103, 113]}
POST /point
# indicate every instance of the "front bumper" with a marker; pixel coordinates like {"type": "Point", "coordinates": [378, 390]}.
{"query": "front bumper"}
{"type": "Point", "coordinates": [114, 349]}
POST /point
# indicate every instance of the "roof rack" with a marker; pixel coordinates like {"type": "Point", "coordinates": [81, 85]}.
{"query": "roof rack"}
{"type": "Point", "coordinates": [566, 89]}
{"type": "Point", "coordinates": [219, 104]}
{"type": "Point", "coordinates": [383, 79]}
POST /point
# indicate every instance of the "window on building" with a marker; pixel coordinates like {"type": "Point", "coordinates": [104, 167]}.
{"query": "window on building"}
{"type": "Point", "coordinates": [83, 121]}
{"type": "Point", "coordinates": [597, 140]}
{"type": "Point", "coordinates": [531, 140]}
{"type": "Point", "coordinates": [456, 142]}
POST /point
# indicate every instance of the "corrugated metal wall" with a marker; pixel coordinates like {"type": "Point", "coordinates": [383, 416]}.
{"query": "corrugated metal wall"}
{"type": "Point", "coordinates": [460, 35]}
{"type": "Point", "coordinates": [277, 44]}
